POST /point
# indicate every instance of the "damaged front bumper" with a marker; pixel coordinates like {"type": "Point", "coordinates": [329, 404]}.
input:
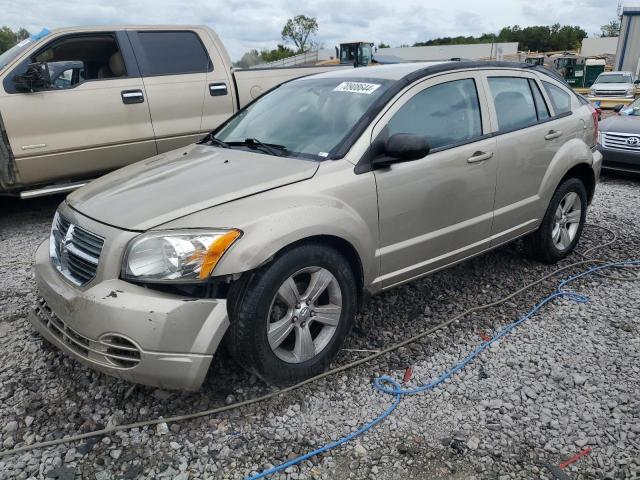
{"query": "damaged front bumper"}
{"type": "Point", "coordinates": [129, 331]}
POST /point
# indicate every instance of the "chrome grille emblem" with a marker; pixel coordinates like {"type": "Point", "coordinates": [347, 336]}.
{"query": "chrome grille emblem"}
{"type": "Point", "coordinates": [633, 141]}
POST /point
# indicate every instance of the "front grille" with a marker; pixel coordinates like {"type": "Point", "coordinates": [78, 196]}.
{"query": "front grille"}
{"type": "Point", "coordinates": [111, 350]}
{"type": "Point", "coordinates": [74, 251]}
{"type": "Point", "coordinates": [628, 142]}
{"type": "Point", "coordinates": [610, 93]}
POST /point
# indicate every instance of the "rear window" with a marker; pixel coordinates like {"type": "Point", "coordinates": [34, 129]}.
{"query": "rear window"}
{"type": "Point", "coordinates": [172, 53]}
{"type": "Point", "coordinates": [560, 99]}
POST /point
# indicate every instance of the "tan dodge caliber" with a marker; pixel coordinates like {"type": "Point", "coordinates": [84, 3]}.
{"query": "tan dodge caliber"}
{"type": "Point", "coordinates": [267, 234]}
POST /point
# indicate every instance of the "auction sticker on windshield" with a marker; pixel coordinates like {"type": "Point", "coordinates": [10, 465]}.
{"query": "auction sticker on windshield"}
{"type": "Point", "coordinates": [357, 87]}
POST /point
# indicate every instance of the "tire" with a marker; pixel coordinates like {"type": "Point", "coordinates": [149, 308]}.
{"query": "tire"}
{"type": "Point", "coordinates": [557, 235]}
{"type": "Point", "coordinates": [265, 301]}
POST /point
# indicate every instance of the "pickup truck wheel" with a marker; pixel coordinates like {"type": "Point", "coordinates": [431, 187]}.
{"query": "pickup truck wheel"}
{"type": "Point", "coordinates": [562, 225]}
{"type": "Point", "coordinates": [289, 318]}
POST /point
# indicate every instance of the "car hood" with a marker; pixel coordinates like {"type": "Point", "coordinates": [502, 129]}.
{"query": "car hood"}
{"type": "Point", "coordinates": [177, 183]}
{"type": "Point", "coordinates": [621, 124]}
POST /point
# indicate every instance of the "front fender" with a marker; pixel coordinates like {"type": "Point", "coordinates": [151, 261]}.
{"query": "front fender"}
{"type": "Point", "coordinates": [272, 220]}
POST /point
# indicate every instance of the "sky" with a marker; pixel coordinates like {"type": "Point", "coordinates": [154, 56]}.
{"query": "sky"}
{"type": "Point", "coordinates": [246, 24]}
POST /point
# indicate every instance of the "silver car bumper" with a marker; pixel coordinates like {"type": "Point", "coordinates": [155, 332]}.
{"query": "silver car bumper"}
{"type": "Point", "coordinates": [128, 331]}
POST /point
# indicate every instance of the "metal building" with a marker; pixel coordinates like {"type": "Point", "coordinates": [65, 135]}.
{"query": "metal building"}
{"type": "Point", "coordinates": [628, 51]}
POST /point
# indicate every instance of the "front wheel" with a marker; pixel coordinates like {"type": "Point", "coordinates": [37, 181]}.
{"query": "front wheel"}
{"type": "Point", "coordinates": [562, 224]}
{"type": "Point", "coordinates": [289, 318]}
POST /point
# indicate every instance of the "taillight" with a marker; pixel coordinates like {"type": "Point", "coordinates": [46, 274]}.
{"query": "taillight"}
{"type": "Point", "coordinates": [594, 116]}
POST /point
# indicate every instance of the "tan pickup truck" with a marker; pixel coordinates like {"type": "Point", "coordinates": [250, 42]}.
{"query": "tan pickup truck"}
{"type": "Point", "coordinates": [78, 102]}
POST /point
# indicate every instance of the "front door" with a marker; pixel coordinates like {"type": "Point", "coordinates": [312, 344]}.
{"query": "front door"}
{"type": "Point", "coordinates": [93, 118]}
{"type": "Point", "coordinates": [438, 209]}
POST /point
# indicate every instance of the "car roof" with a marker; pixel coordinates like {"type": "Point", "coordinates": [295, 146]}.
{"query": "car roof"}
{"type": "Point", "coordinates": [409, 72]}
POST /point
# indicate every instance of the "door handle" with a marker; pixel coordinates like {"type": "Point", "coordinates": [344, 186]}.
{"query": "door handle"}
{"type": "Point", "coordinates": [479, 157]}
{"type": "Point", "coordinates": [132, 96]}
{"type": "Point", "coordinates": [553, 134]}
{"type": "Point", "coordinates": [217, 89]}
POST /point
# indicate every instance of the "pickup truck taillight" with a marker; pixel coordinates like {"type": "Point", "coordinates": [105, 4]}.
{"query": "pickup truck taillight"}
{"type": "Point", "coordinates": [594, 116]}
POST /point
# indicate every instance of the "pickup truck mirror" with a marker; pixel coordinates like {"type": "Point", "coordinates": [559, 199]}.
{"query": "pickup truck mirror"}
{"type": "Point", "coordinates": [618, 107]}
{"type": "Point", "coordinates": [402, 147]}
{"type": "Point", "coordinates": [36, 78]}
{"type": "Point", "coordinates": [636, 82]}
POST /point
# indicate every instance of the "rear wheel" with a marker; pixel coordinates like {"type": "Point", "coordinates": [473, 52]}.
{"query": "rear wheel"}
{"type": "Point", "coordinates": [562, 225]}
{"type": "Point", "coordinates": [290, 317]}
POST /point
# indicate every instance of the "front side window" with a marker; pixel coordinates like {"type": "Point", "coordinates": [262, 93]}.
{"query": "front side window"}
{"type": "Point", "coordinates": [308, 117]}
{"type": "Point", "coordinates": [514, 102]}
{"type": "Point", "coordinates": [172, 53]}
{"type": "Point", "coordinates": [445, 114]}
{"type": "Point", "coordinates": [560, 99]}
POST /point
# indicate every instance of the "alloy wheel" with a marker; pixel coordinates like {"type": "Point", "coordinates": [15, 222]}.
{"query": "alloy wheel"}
{"type": "Point", "coordinates": [567, 221]}
{"type": "Point", "coordinates": [304, 314]}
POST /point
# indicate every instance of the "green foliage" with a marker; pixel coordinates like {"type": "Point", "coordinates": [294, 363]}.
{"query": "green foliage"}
{"type": "Point", "coordinates": [611, 29]}
{"type": "Point", "coordinates": [8, 38]}
{"type": "Point", "coordinates": [299, 30]}
{"type": "Point", "coordinates": [276, 54]}
{"type": "Point", "coordinates": [538, 38]}
{"type": "Point", "coordinates": [384, 45]}
{"type": "Point", "coordinates": [255, 57]}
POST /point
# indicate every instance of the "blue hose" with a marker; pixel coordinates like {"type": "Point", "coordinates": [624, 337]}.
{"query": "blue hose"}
{"type": "Point", "coordinates": [392, 387]}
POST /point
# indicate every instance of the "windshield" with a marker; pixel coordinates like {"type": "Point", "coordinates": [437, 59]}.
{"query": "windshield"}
{"type": "Point", "coordinates": [308, 117]}
{"type": "Point", "coordinates": [633, 109]}
{"type": "Point", "coordinates": [617, 78]}
{"type": "Point", "coordinates": [13, 52]}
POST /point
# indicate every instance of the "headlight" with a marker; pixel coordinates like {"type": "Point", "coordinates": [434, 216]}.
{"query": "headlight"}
{"type": "Point", "coordinates": [631, 92]}
{"type": "Point", "coordinates": [592, 92]}
{"type": "Point", "coordinates": [177, 256]}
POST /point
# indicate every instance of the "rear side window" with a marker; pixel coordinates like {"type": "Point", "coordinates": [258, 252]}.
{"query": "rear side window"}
{"type": "Point", "coordinates": [541, 107]}
{"type": "Point", "coordinates": [514, 102]}
{"type": "Point", "coordinates": [171, 53]}
{"type": "Point", "coordinates": [445, 114]}
{"type": "Point", "coordinates": [560, 99]}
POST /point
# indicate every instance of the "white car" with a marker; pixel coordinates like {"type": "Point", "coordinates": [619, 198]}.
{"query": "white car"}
{"type": "Point", "coordinates": [614, 84]}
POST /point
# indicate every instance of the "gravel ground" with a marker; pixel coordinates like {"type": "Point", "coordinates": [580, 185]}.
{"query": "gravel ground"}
{"type": "Point", "coordinates": [566, 380]}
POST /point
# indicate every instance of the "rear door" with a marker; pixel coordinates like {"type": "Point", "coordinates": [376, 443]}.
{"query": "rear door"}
{"type": "Point", "coordinates": [438, 209]}
{"type": "Point", "coordinates": [174, 65]}
{"type": "Point", "coordinates": [529, 133]}
{"type": "Point", "coordinates": [92, 119]}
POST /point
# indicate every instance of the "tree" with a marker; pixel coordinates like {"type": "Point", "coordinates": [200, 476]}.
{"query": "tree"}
{"type": "Point", "coordinates": [384, 45]}
{"type": "Point", "coordinates": [249, 59]}
{"type": "Point", "coordinates": [611, 29]}
{"type": "Point", "coordinates": [298, 30]}
{"type": "Point", "coordinates": [276, 54]}
{"type": "Point", "coordinates": [8, 38]}
{"type": "Point", "coordinates": [539, 38]}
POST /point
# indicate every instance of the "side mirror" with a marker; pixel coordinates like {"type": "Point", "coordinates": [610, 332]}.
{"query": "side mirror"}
{"type": "Point", "coordinates": [36, 78]}
{"type": "Point", "coordinates": [618, 107]}
{"type": "Point", "coordinates": [402, 147]}
{"type": "Point", "coordinates": [636, 82]}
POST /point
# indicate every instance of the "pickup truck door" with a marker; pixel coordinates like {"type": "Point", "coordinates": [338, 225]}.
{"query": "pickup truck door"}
{"type": "Point", "coordinates": [174, 65]}
{"type": "Point", "coordinates": [91, 120]}
{"type": "Point", "coordinates": [436, 210]}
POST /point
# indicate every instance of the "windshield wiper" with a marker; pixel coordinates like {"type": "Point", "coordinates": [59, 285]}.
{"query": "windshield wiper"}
{"type": "Point", "coordinates": [271, 148]}
{"type": "Point", "coordinates": [215, 141]}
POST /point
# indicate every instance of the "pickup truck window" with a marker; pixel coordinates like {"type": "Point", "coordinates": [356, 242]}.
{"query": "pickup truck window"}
{"type": "Point", "coordinates": [444, 114]}
{"type": "Point", "coordinates": [172, 53]}
{"type": "Point", "coordinates": [309, 117]}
